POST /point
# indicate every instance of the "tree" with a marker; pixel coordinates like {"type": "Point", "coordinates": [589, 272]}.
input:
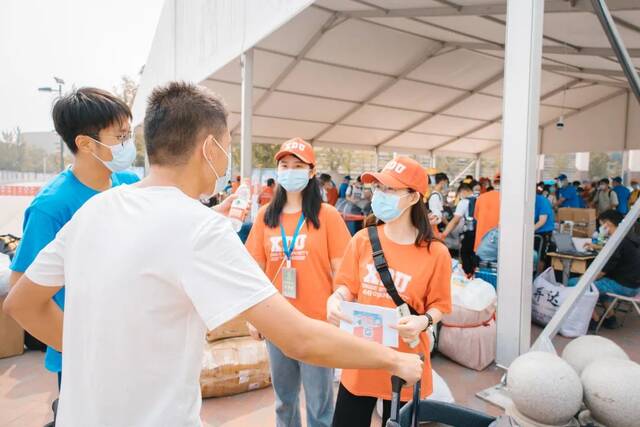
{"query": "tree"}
{"type": "Point", "coordinates": [127, 90]}
{"type": "Point", "coordinates": [598, 165]}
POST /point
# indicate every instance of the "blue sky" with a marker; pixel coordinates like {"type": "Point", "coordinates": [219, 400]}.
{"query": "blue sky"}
{"type": "Point", "coordinates": [85, 42]}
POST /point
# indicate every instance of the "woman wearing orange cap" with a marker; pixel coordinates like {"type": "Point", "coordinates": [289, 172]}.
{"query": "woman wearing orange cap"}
{"type": "Point", "coordinates": [420, 267]}
{"type": "Point", "coordinates": [299, 242]}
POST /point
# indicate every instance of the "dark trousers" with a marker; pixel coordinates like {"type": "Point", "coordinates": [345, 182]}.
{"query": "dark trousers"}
{"type": "Point", "coordinates": [467, 254]}
{"type": "Point", "coordinates": [356, 411]}
{"type": "Point", "coordinates": [546, 241]}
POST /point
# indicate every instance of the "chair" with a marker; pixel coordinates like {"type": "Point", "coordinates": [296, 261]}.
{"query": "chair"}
{"type": "Point", "coordinates": [618, 300]}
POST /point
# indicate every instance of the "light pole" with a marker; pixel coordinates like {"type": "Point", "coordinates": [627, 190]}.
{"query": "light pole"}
{"type": "Point", "coordinates": [59, 82]}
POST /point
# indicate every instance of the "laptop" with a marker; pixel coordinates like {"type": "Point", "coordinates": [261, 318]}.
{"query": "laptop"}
{"type": "Point", "coordinates": [565, 246]}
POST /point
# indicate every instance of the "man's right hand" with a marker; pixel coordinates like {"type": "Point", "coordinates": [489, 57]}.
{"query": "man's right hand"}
{"type": "Point", "coordinates": [409, 367]}
{"type": "Point", "coordinates": [255, 334]}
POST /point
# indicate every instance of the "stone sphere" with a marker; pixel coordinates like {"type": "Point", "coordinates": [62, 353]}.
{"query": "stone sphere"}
{"type": "Point", "coordinates": [582, 351]}
{"type": "Point", "coordinates": [544, 388]}
{"type": "Point", "coordinates": [612, 391]}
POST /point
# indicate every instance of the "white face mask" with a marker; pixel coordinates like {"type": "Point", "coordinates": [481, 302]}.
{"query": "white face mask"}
{"type": "Point", "coordinates": [221, 181]}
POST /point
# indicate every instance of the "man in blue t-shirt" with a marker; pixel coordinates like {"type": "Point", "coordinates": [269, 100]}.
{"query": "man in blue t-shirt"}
{"type": "Point", "coordinates": [96, 127]}
{"type": "Point", "coordinates": [544, 220]}
{"type": "Point", "coordinates": [342, 191]}
{"type": "Point", "coordinates": [623, 194]}
{"type": "Point", "coordinates": [567, 194]}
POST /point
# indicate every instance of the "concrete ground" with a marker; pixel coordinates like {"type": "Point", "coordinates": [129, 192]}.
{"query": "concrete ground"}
{"type": "Point", "coordinates": [26, 389]}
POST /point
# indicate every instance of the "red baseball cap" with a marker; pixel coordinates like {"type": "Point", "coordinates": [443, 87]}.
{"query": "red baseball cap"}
{"type": "Point", "coordinates": [401, 172]}
{"type": "Point", "coordinates": [297, 147]}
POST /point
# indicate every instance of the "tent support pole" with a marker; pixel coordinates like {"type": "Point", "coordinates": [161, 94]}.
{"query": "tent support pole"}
{"type": "Point", "coordinates": [246, 113]}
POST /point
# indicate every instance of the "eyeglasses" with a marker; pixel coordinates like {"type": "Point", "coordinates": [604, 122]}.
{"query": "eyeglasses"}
{"type": "Point", "coordinates": [383, 188]}
{"type": "Point", "coordinates": [122, 138]}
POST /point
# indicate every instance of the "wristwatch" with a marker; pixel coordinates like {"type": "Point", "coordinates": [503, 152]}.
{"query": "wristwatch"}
{"type": "Point", "coordinates": [430, 319]}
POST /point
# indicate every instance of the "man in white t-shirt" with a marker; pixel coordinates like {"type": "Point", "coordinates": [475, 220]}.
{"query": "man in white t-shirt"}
{"type": "Point", "coordinates": [437, 197]}
{"type": "Point", "coordinates": [148, 269]}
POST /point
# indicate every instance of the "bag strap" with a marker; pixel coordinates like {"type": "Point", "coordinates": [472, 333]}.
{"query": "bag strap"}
{"type": "Point", "coordinates": [383, 269]}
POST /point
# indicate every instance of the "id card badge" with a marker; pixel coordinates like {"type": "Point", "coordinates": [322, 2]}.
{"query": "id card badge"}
{"type": "Point", "coordinates": [403, 311]}
{"type": "Point", "coordinates": [289, 289]}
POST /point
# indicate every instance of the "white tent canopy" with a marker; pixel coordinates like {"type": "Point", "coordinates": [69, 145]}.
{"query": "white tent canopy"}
{"type": "Point", "coordinates": [418, 76]}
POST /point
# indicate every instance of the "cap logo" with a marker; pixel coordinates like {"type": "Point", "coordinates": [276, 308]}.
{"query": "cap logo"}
{"type": "Point", "coordinates": [395, 167]}
{"type": "Point", "coordinates": [293, 145]}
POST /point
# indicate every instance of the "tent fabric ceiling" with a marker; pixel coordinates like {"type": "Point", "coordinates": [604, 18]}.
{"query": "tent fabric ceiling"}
{"type": "Point", "coordinates": [336, 74]}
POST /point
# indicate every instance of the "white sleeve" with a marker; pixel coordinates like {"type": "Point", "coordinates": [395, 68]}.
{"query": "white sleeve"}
{"type": "Point", "coordinates": [221, 278]}
{"type": "Point", "coordinates": [48, 267]}
{"type": "Point", "coordinates": [435, 205]}
{"type": "Point", "coordinates": [349, 191]}
{"type": "Point", "coordinates": [614, 198]}
{"type": "Point", "coordinates": [462, 209]}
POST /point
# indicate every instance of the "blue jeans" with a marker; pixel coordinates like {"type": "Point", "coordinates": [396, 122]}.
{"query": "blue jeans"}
{"type": "Point", "coordinates": [286, 375]}
{"type": "Point", "coordinates": [605, 285]}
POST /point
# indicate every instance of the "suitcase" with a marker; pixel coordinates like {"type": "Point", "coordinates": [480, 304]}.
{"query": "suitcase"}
{"type": "Point", "coordinates": [418, 411]}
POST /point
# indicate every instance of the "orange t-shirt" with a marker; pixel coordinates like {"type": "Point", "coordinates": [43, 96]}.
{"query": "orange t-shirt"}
{"type": "Point", "coordinates": [265, 196]}
{"type": "Point", "coordinates": [234, 186]}
{"type": "Point", "coordinates": [314, 249]}
{"type": "Point", "coordinates": [332, 196]}
{"type": "Point", "coordinates": [422, 276]}
{"type": "Point", "coordinates": [487, 214]}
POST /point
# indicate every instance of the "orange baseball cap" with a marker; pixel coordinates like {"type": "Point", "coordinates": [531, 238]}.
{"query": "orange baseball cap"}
{"type": "Point", "coordinates": [401, 172]}
{"type": "Point", "coordinates": [297, 147]}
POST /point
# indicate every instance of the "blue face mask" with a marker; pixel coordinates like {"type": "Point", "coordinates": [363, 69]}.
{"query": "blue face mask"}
{"type": "Point", "coordinates": [293, 180]}
{"type": "Point", "coordinates": [123, 155]}
{"type": "Point", "coordinates": [385, 206]}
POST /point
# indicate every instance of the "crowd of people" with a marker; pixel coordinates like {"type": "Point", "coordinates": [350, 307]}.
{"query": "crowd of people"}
{"type": "Point", "coordinates": [136, 309]}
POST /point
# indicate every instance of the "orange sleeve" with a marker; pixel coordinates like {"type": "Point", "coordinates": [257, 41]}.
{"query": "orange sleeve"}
{"type": "Point", "coordinates": [348, 273]}
{"type": "Point", "coordinates": [439, 290]}
{"type": "Point", "coordinates": [255, 241]}
{"type": "Point", "coordinates": [337, 233]}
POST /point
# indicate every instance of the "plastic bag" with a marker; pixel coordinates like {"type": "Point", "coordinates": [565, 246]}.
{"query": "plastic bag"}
{"type": "Point", "coordinates": [474, 294]}
{"type": "Point", "coordinates": [548, 295]}
{"type": "Point", "coordinates": [5, 262]}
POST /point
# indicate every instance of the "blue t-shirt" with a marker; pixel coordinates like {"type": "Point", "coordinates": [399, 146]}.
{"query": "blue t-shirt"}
{"type": "Point", "coordinates": [342, 192]}
{"type": "Point", "coordinates": [543, 207]}
{"type": "Point", "coordinates": [49, 211]}
{"type": "Point", "coordinates": [623, 194]}
{"type": "Point", "coordinates": [571, 197]}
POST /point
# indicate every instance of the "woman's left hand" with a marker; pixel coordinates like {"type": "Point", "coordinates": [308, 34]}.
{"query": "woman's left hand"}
{"type": "Point", "coordinates": [410, 327]}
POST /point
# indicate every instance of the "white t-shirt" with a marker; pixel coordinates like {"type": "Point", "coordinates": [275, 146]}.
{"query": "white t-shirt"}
{"type": "Point", "coordinates": [462, 210]}
{"type": "Point", "coordinates": [435, 205]}
{"type": "Point", "coordinates": [146, 271]}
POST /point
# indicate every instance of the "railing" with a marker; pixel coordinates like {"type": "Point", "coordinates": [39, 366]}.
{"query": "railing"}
{"type": "Point", "coordinates": [17, 177]}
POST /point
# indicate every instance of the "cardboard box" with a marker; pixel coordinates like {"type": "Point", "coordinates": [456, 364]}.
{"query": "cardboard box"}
{"type": "Point", "coordinates": [234, 365]}
{"type": "Point", "coordinates": [11, 335]}
{"type": "Point", "coordinates": [584, 220]}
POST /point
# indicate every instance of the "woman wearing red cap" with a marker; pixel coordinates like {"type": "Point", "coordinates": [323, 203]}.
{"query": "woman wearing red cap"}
{"type": "Point", "coordinates": [420, 267]}
{"type": "Point", "coordinates": [298, 241]}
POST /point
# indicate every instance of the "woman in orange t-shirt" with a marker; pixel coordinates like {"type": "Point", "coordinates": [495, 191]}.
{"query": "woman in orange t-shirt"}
{"type": "Point", "coordinates": [302, 268]}
{"type": "Point", "coordinates": [421, 271]}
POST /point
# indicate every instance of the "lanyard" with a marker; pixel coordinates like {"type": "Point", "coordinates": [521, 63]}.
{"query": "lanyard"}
{"type": "Point", "coordinates": [288, 249]}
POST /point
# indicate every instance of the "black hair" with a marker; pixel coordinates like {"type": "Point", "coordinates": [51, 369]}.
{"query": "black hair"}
{"type": "Point", "coordinates": [87, 111]}
{"type": "Point", "coordinates": [576, 183]}
{"type": "Point", "coordinates": [612, 216]}
{"type": "Point", "coordinates": [604, 181]}
{"type": "Point", "coordinates": [177, 115]}
{"type": "Point", "coordinates": [441, 176]}
{"type": "Point", "coordinates": [325, 177]}
{"type": "Point", "coordinates": [469, 177]}
{"type": "Point", "coordinates": [270, 182]}
{"type": "Point", "coordinates": [465, 187]}
{"type": "Point", "coordinates": [311, 203]}
{"type": "Point", "coordinates": [419, 219]}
